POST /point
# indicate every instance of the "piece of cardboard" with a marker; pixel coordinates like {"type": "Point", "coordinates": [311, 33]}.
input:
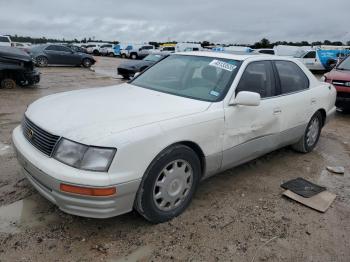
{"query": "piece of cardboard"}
{"type": "Point", "coordinates": [319, 202]}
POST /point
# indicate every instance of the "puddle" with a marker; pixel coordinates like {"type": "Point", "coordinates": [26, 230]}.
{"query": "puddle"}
{"type": "Point", "coordinates": [4, 149]}
{"type": "Point", "coordinates": [26, 213]}
{"type": "Point", "coordinates": [140, 254]}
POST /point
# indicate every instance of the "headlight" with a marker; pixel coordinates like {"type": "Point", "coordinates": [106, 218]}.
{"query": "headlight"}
{"type": "Point", "coordinates": [84, 157]}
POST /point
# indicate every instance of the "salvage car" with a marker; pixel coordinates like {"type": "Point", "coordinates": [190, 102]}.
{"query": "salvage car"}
{"type": "Point", "coordinates": [130, 68]}
{"type": "Point", "coordinates": [146, 144]}
{"type": "Point", "coordinates": [49, 54]}
{"type": "Point", "coordinates": [340, 78]}
{"type": "Point", "coordinates": [16, 68]}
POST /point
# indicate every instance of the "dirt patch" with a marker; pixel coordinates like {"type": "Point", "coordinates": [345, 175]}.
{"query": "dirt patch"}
{"type": "Point", "coordinates": [237, 215]}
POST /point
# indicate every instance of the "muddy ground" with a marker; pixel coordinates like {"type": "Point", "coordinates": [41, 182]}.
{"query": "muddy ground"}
{"type": "Point", "coordinates": [238, 215]}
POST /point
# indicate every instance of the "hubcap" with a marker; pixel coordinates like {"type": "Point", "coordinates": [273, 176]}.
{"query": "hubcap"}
{"type": "Point", "coordinates": [173, 184]}
{"type": "Point", "coordinates": [312, 132]}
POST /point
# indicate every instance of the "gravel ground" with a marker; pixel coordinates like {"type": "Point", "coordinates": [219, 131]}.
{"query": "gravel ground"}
{"type": "Point", "coordinates": [238, 215]}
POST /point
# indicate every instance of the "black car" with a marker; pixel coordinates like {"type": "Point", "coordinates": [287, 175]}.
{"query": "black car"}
{"type": "Point", "coordinates": [16, 67]}
{"type": "Point", "coordinates": [50, 54]}
{"type": "Point", "coordinates": [130, 68]}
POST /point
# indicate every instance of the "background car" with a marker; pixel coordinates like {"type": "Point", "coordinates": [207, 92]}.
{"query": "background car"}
{"type": "Point", "coordinates": [129, 68]}
{"type": "Point", "coordinates": [16, 68]}
{"type": "Point", "coordinates": [5, 40]}
{"type": "Point", "coordinates": [50, 54]}
{"type": "Point", "coordinates": [107, 50]}
{"type": "Point", "coordinates": [340, 78]}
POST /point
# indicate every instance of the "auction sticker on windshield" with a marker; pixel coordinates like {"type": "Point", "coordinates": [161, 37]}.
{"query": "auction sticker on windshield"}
{"type": "Point", "coordinates": [222, 65]}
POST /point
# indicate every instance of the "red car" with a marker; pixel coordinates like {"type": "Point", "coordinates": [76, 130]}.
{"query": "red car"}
{"type": "Point", "coordinates": [340, 78]}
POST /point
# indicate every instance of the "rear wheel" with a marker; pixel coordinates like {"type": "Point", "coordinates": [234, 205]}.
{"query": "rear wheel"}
{"type": "Point", "coordinates": [41, 61]}
{"type": "Point", "coordinates": [169, 184]}
{"type": "Point", "coordinates": [123, 55]}
{"type": "Point", "coordinates": [86, 62]}
{"type": "Point", "coordinates": [110, 54]}
{"type": "Point", "coordinates": [133, 56]}
{"type": "Point", "coordinates": [311, 136]}
{"type": "Point", "coordinates": [8, 83]}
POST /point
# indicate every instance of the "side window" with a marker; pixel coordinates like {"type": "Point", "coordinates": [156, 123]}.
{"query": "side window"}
{"type": "Point", "coordinates": [292, 78]}
{"type": "Point", "coordinates": [52, 48]}
{"type": "Point", "coordinates": [311, 54]}
{"type": "Point", "coordinates": [64, 49]}
{"type": "Point", "coordinates": [258, 78]}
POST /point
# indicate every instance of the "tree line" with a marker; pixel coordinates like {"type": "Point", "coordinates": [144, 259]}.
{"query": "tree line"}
{"type": "Point", "coordinates": [263, 43]}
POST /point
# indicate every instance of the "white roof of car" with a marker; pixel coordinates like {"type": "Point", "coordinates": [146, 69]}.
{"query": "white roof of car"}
{"type": "Point", "coordinates": [239, 57]}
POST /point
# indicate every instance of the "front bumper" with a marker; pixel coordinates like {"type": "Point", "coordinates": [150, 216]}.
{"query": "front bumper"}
{"type": "Point", "coordinates": [29, 78]}
{"type": "Point", "coordinates": [49, 187]}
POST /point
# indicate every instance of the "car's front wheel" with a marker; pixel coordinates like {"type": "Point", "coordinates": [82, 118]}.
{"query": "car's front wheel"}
{"type": "Point", "coordinates": [8, 83]}
{"type": "Point", "coordinates": [169, 184]}
{"type": "Point", "coordinates": [86, 63]}
{"type": "Point", "coordinates": [311, 136]}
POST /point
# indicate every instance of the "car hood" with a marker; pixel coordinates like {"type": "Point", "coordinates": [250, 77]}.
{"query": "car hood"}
{"type": "Point", "coordinates": [135, 64]}
{"type": "Point", "coordinates": [87, 115]}
{"type": "Point", "coordinates": [14, 53]}
{"type": "Point", "coordinates": [343, 75]}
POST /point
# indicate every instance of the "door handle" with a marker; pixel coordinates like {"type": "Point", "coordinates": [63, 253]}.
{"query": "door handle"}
{"type": "Point", "coordinates": [313, 101]}
{"type": "Point", "coordinates": [277, 111]}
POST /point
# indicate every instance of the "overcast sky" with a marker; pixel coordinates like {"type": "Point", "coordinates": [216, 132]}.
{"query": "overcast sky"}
{"type": "Point", "coordinates": [219, 21]}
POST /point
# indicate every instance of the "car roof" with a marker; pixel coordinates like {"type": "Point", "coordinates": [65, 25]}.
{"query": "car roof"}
{"type": "Point", "coordinates": [240, 56]}
{"type": "Point", "coordinates": [228, 55]}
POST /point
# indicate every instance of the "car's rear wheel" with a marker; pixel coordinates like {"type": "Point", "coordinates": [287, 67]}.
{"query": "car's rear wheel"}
{"type": "Point", "coordinates": [123, 55]}
{"type": "Point", "coordinates": [133, 56]}
{"type": "Point", "coordinates": [8, 83]}
{"type": "Point", "coordinates": [311, 136]}
{"type": "Point", "coordinates": [169, 184]}
{"type": "Point", "coordinates": [41, 61]}
{"type": "Point", "coordinates": [110, 54]}
{"type": "Point", "coordinates": [86, 62]}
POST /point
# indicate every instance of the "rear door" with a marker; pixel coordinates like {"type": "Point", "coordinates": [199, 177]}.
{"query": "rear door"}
{"type": "Point", "coordinates": [296, 100]}
{"type": "Point", "coordinates": [251, 131]}
{"type": "Point", "coordinates": [52, 53]}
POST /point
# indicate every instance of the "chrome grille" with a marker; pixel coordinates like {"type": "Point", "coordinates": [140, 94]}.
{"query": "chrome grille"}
{"type": "Point", "coordinates": [39, 138]}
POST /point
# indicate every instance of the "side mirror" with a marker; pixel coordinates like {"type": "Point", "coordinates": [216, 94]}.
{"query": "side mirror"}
{"type": "Point", "coordinates": [246, 98]}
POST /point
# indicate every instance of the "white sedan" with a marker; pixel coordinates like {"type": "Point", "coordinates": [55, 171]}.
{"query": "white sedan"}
{"type": "Point", "coordinates": [146, 144]}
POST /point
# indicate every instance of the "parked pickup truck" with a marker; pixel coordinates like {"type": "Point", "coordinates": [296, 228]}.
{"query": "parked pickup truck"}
{"type": "Point", "coordinates": [16, 67]}
{"type": "Point", "coordinates": [322, 59]}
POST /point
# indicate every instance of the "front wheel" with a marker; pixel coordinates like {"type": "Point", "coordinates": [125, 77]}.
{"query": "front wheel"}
{"type": "Point", "coordinates": [169, 184]}
{"type": "Point", "coordinates": [311, 136]}
{"type": "Point", "coordinates": [133, 56]}
{"type": "Point", "coordinates": [8, 83]}
{"type": "Point", "coordinates": [87, 63]}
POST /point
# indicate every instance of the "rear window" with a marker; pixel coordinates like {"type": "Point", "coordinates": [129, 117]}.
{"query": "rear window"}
{"type": "Point", "coordinates": [4, 39]}
{"type": "Point", "coordinates": [292, 78]}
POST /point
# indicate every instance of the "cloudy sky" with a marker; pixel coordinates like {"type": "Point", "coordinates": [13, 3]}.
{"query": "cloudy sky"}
{"type": "Point", "coordinates": [219, 21]}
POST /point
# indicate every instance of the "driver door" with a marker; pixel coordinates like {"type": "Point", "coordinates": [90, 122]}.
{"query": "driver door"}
{"type": "Point", "coordinates": [251, 131]}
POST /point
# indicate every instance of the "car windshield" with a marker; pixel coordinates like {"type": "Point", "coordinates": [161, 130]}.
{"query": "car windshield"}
{"type": "Point", "coordinates": [153, 58]}
{"type": "Point", "coordinates": [198, 77]}
{"type": "Point", "coordinates": [345, 65]}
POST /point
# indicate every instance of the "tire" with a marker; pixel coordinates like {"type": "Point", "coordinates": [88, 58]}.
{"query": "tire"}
{"type": "Point", "coordinates": [123, 55]}
{"type": "Point", "coordinates": [169, 184]}
{"type": "Point", "coordinates": [126, 77]}
{"type": "Point", "coordinates": [87, 63]}
{"type": "Point", "coordinates": [8, 83]}
{"type": "Point", "coordinates": [133, 56]}
{"type": "Point", "coordinates": [41, 61]}
{"type": "Point", "coordinates": [311, 136]}
{"type": "Point", "coordinates": [95, 52]}
{"type": "Point", "coordinates": [110, 54]}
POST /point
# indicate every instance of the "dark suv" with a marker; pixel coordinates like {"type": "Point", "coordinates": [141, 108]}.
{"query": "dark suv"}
{"type": "Point", "coordinates": [16, 68]}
